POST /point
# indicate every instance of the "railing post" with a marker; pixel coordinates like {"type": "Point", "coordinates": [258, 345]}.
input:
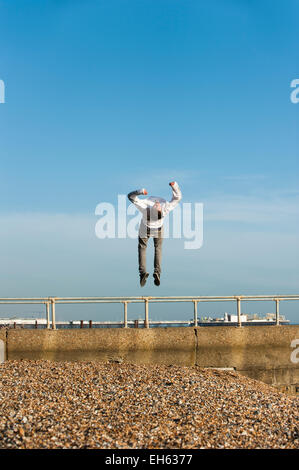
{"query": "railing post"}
{"type": "Point", "coordinates": [48, 314]}
{"type": "Point", "coordinates": [239, 311]}
{"type": "Point", "coordinates": [277, 312]}
{"type": "Point", "coordinates": [146, 323]}
{"type": "Point", "coordinates": [53, 314]}
{"type": "Point", "coordinates": [195, 312]}
{"type": "Point", "coordinates": [125, 314]}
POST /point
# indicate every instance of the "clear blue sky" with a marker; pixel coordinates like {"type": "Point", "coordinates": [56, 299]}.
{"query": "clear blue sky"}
{"type": "Point", "coordinates": [106, 96]}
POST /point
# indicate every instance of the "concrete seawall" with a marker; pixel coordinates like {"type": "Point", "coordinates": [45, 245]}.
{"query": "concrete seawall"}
{"type": "Point", "coordinates": [261, 352]}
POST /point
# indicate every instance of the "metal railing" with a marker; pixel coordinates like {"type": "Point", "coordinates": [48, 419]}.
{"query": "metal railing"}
{"type": "Point", "coordinates": [51, 302]}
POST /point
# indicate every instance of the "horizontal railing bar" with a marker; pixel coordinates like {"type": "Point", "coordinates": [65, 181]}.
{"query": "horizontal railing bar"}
{"type": "Point", "coordinates": [153, 299]}
{"type": "Point", "coordinates": [93, 301]}
{"type": "Point", "coordinates": [140, 301]}
{"type": "Point", "coordinates": [233, 297]}
{"type": "Point", "coordinates": [21, 302]}
{"type": "Point", "coordinates": [70, 300]}
{"type": "Point", "coordinates": [41, 299]}
{"type": "Point", "coordinates": [142, 298]}
{"type": "Point", "coordinates": [222, 299]}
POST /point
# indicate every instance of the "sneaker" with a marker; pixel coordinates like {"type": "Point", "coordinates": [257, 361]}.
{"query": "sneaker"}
{"type": "Point", "coordinates": [143, 278]}
{"type": "Point", "coordinates": [156, 279]}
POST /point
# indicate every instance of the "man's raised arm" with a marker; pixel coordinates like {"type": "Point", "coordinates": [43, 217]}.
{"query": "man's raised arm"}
{"type": "Point", "coordinates": [133, 197]}
{"type": "Point", "coordinates": [176, 196]}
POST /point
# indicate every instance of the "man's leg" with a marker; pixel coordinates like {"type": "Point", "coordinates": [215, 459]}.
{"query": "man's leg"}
{"type": "Point", "coordinates": [158, 257]}
{"type": "Point", "coordinates": [142, 245]}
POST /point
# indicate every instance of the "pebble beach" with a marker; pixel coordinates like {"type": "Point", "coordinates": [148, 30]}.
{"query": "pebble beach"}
{"type": "Point", "coordinates": [114, 405]}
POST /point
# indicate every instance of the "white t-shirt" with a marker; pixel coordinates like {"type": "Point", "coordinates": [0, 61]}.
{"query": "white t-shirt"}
{"type": "Point", "coordinates": [150, 217]}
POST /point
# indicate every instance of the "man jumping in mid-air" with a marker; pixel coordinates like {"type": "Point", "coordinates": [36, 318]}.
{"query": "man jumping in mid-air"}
{"type": "Point", "coordinates": [154, 210]}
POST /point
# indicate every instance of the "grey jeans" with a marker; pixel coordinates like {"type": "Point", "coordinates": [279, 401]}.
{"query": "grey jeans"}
{"type": "Point", "coordinates": [143, 238]}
